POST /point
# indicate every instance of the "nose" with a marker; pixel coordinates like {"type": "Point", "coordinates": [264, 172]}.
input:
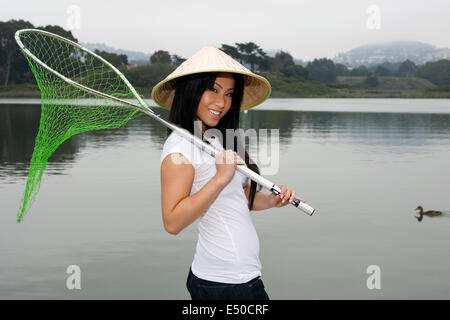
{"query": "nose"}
{"type": "Point", "coordinates": [220, 102]}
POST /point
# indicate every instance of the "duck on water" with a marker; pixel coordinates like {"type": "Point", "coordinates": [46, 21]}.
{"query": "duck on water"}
{"type": "Point", "coordinates": [429, 213]}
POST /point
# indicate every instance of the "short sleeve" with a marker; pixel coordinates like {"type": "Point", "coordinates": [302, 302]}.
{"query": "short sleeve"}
{"type": "Point", "coordinates": [177, 144]}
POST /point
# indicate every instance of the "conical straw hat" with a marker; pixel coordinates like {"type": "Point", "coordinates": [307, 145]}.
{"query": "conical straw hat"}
{"type": "Point", "coordinates": [210, 59]}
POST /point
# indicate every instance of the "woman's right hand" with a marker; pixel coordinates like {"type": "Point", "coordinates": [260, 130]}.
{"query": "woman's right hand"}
{"type": "Point", "coordinates": [226, 162]}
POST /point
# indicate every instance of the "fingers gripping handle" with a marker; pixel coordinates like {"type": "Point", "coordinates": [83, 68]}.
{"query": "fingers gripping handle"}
{"type": "Point", "coordinates": [296, 203]}
{"type": "Point", "coordinates": [274, 188]}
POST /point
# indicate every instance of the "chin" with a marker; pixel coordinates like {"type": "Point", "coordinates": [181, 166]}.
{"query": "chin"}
{"type": "Point", "coordinates": [212, 123]}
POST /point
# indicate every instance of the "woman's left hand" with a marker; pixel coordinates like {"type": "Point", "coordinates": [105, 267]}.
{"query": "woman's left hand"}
{"type": "Point", "coordinates": [285, 197]}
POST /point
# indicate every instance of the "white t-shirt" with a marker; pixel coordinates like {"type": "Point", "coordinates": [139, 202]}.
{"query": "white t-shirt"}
{"type": "Point", "coordinates": [228, 246]}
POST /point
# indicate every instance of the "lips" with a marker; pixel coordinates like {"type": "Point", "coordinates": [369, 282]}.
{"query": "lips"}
{"type": "Point", "coordinates": [214, 114]}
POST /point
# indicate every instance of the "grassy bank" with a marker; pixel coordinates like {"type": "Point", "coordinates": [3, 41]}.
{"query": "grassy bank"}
{"type": "Point", "coordinates": [356, 87]}
{"type": "Point", "coordinates": [390, 87]}
{"type": "Point", "coordinates": [294, 88]}
{"type": "Point", "coordinates": [20, 91]}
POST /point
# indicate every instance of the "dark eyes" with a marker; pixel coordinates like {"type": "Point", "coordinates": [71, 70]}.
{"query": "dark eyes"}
{"type": "Point", "coordinates": [215, 91]}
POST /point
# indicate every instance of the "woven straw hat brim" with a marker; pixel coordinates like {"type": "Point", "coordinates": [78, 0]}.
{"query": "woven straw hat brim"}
{"type": "Point", "coordinates": [210, 59]}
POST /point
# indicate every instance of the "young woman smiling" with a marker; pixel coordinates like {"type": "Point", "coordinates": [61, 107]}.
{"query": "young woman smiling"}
{"type": "Point", "coordinates": [208, 91]}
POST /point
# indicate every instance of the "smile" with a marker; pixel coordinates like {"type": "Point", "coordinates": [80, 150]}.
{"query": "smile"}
{"type": "Point", "coordinates": [214, 114]}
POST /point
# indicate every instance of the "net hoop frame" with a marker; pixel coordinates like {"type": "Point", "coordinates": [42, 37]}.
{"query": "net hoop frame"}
{"type": "Point", "coordinates": [74, 83]}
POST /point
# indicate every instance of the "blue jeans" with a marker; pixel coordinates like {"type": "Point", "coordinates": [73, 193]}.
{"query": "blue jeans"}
{"type": "Point", "coordinates": [209, 290]}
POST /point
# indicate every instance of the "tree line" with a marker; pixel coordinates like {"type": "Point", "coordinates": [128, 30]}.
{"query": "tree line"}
{"type": "Point", "coordinates": [438, 72]}
{"type": "Point", "coordinates": [14, 67]}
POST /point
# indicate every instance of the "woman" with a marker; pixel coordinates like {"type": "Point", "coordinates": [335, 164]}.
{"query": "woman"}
{"type": "Point", "coordinates": [226, 263]}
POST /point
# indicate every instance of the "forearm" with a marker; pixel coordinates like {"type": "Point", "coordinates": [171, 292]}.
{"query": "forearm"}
{"type": "Point", "coordinates": [192, 207]}
{"type": "Point", "coordinates": [262, 201]}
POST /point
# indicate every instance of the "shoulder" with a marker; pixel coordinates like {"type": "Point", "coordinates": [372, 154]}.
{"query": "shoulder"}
{"type": "Point", "coordinates": [172, 139]}
{"type": "Point", "coordinates": [176, 145]}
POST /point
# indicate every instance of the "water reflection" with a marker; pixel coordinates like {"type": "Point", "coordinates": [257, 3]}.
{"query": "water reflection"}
{"type": "Point", "coordinates": [386, 129]}
{"type": "Point", "coordinates": [19, 125]}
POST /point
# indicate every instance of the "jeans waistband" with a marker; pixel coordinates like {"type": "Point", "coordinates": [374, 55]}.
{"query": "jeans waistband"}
{"type": "Point", "coordinates": [191, 274]}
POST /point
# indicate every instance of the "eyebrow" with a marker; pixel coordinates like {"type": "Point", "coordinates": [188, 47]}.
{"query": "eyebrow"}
{"type": "Point", "coordinates": [222, 87]}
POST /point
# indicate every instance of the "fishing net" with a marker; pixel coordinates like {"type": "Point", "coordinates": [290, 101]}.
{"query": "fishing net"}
{"type": "Point", "coordinates": [67, 109]}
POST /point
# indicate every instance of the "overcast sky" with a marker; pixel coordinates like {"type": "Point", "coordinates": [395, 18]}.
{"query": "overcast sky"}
{"type": "Point", "coordinates": [307, 29]}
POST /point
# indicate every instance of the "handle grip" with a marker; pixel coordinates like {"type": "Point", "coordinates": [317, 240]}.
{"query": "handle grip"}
{"type": "Point", "coordinates": [304, 207]}
{"type": "Point", "coordinates": [296, 203]}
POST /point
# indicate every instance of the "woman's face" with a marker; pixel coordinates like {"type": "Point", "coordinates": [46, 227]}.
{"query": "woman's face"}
{"type": "Point", "coordinates": [216, 102]}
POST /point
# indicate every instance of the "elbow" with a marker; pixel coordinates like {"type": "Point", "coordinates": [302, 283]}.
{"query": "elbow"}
{"type": "Point", "coordinates": [171, 229]}
{"type": "Point", "coordinates": [169, 224]}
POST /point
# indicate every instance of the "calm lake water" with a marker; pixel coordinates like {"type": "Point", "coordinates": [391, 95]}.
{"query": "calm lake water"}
{"type": "Point", "coordinates": [365, 165]}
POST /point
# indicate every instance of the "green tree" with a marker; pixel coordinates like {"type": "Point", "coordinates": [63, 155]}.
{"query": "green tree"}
{"type": "Point", "coordinates": [232, 52]}
{"type": "Point", "coordinates": [437, 72]}
{"type": "Point", "coordinates": [342, 69]}
{"type": "Point", "coordinates": [148, 76]}
{"type": "Point", "coordinates": [360, 71]}
{"type": "Point", "coordinates": [251, 54]}
{"type": "Point", "coordinates": [407, 69]}
{"type": "Point", "coordinates": [392, 67]}
{"type": "Point", "coordinates": [9, 51]}
{"type": "Point", "coordinates": [295, 71]}
{"type": "Point", "coordinates": [283, 63]}
{"type": "Point", "coordinates": [177, 60]}
{"type": "Point", "coordinates": [322, 70]}
{"type": "Point", "coordinates": [60, 32]}
{"type": "Point", "coordinates": [124, 59]}
{"type": "Point", "coordinates": [115, 59]}
{"type": "Point", "coordinates": [282, 60]}
{"type": "Point", "coordinates": [161, 57]}
{"type": "Point", "coordinates": [382, 71]}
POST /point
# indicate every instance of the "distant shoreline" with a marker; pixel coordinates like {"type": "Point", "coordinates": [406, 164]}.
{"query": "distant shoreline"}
{"type": "Point", "coordinates": [32, 92]}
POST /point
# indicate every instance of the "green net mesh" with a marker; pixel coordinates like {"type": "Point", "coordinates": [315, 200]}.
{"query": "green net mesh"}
{"type": "Point", "coordinates": [67, 110]}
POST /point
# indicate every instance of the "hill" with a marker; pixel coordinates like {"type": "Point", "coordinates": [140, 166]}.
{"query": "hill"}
{"type": "Point", "coordinates": [398, 51]}
{"type": "Point", "coordinates": [137, 57]}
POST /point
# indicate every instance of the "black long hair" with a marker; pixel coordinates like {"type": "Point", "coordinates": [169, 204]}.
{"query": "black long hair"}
{"type": "Point", "coordinates": [183, 113]}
